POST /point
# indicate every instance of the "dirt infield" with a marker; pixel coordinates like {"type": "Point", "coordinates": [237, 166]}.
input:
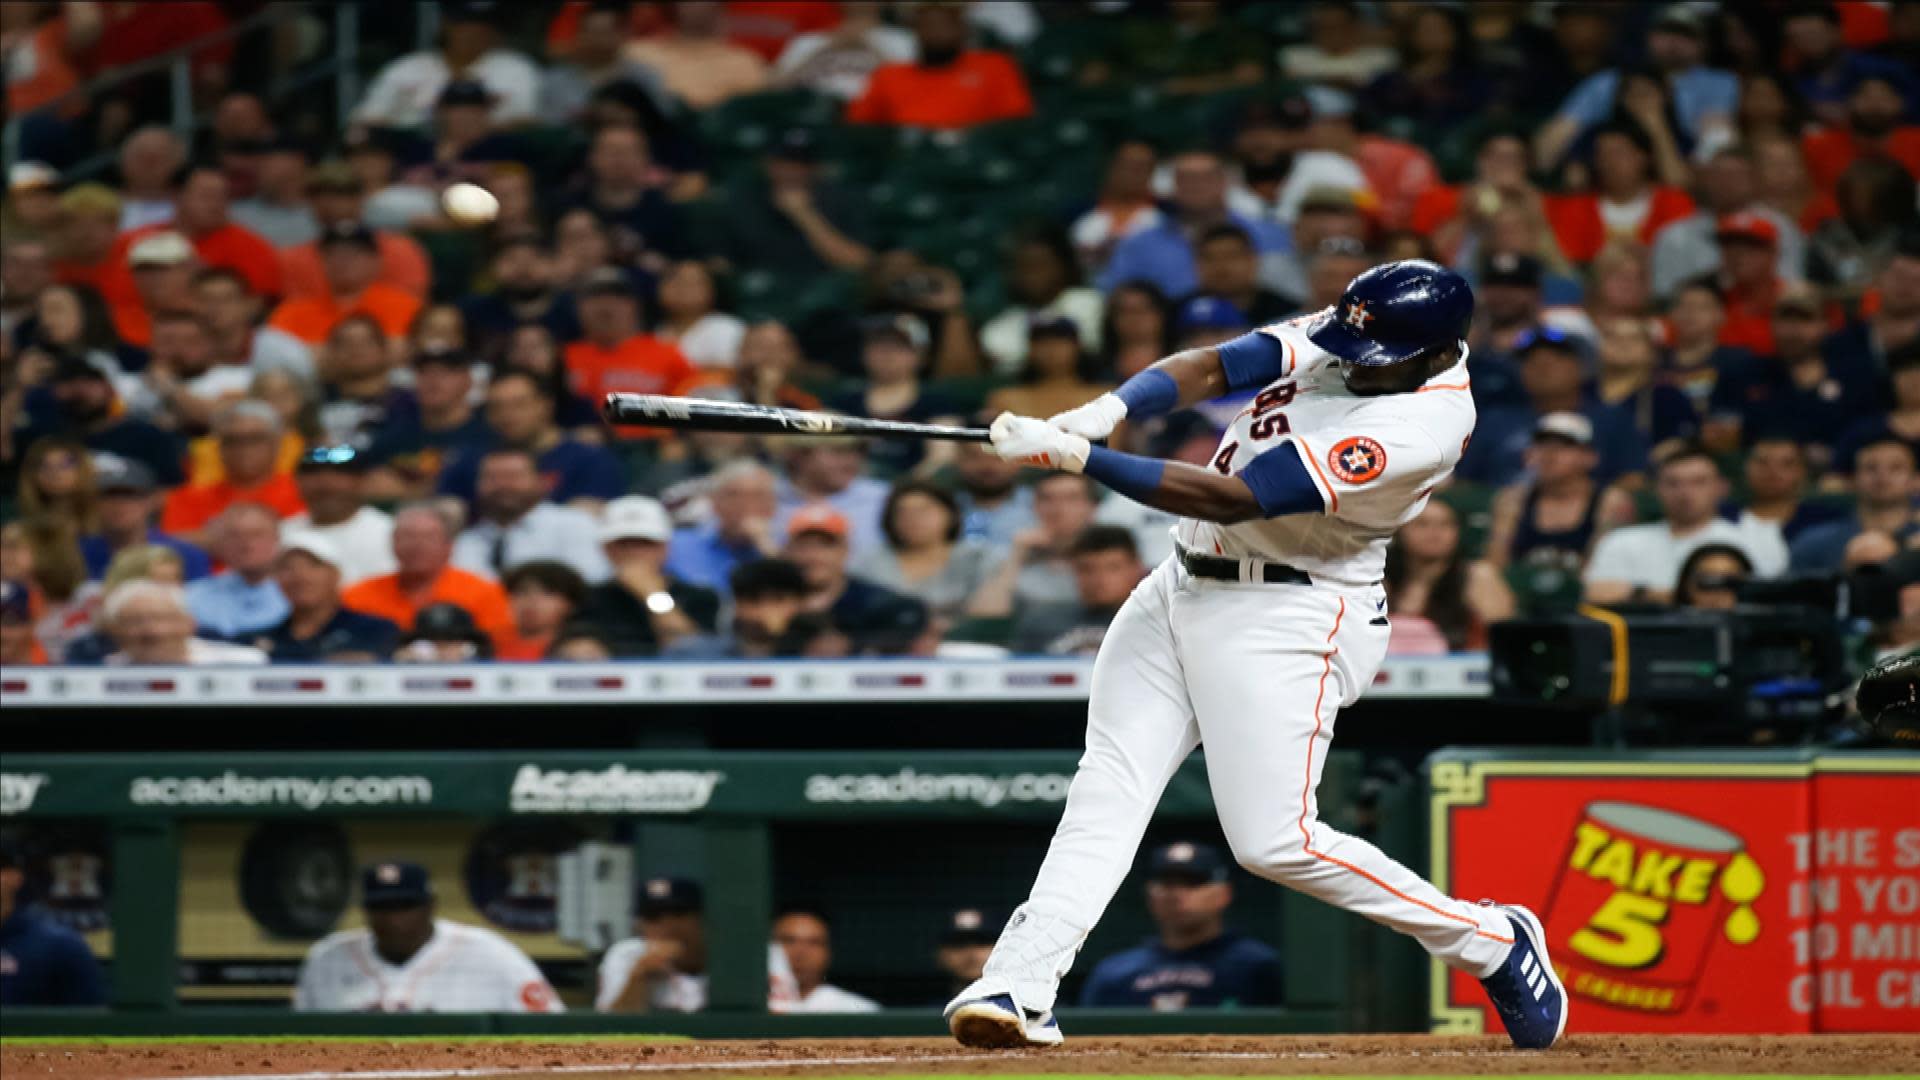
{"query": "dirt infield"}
{"type": "Point", "coordinates": [1217, 1056]}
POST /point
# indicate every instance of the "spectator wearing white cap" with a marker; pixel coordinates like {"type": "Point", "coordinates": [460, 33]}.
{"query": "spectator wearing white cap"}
{"type": "Point", "coordinates": [514, 523]}
{"type": "Point", "coordinates": [641, 608]}
{"type": "Point", "coordinates": [242, 599]}
{"type": "Point", "coordinates": [1556, 515]}
{"type": "Point", "coordinates": [162, 265]}
{"type": "Point", "coordinates": [150, 623]}
{"type": "Point", "coordinates": [33, 201]}
{"type": "Point", "coordinates": [317, 629]}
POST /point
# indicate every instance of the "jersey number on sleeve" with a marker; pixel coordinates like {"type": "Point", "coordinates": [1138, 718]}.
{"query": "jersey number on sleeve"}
{"type": "Point", "coordinates": [1268, 420]}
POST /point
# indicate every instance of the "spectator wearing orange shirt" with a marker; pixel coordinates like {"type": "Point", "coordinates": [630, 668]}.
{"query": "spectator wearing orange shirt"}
{"type": "Point", "coordinates": [1749, 244]}
{"type": "Point", "coordinates": [350, 258]}
{"type": "Point", "coordinates": [613, 355]}
{"type": "Point", "coordinates": [949, 86]}
{"type": "Point", "coordinates": [200, 213]}
{"type": "Point", "coordinates": [1875, 110]}
{"type": "Point", "coordinates": [423, 552]}
{"type": "Point", "coordinates": [338, 195]}
{"type": "Point", "coordinates": [160, 268]}
{"type": "Point", "coordinates": [1625, 203]}
{"type": "Point", "coordinates": [247, 433]}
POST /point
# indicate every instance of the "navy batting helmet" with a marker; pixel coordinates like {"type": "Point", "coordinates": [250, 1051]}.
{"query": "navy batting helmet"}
{"type": "Point", "coordinates": [1395, 311]}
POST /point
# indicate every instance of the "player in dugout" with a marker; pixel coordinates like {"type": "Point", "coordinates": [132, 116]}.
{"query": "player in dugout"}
{"type": "Point", "coordinates": [1193, 961]}
{"type": "Point", "coordinates": [406, 960]}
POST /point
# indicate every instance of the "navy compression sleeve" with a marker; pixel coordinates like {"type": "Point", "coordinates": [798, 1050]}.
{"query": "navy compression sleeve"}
{"type": "Point", "coordinates": [1129, 474]}
{"type": "Point", "coordinates": [1280, 484]}
{"type": "Point", "coordinates": [1148, 394]}
{"type": "Point", "coordinates": [1252, 359]}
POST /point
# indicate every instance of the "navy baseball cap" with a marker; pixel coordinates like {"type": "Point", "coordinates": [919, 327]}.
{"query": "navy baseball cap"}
{"type": "Point", "coordinates": [350, 233]}
{"type": "Point", "coordinates": [1040, 326]}
{"type": "Point", "coordinates": [1509, 268]}
{"type": "Point", "coordinates": [969, 926]}
{"type": "Point", "coordinates": [1395, 311]}
{"type": "Point", "coordinates": [387, 885]}
{"type": "Point", "coordinates": [113, 474]}
{"type": "Point", "coordinates": [1210, 313]}
{"type": "Point", "coordinates": [464, 92]}
{"type": "Point", "coordinates": [1545, 337]}
{"type": "Point", "coordinates": [15, 603]}
{"type": "Point", "coordinates": [669, 896]}
{"type": "Point", "coordinates": [1193, 864]}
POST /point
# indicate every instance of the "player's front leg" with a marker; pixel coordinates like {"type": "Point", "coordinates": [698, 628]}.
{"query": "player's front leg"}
{"type": "Point", "coordinates": [1139, 729]}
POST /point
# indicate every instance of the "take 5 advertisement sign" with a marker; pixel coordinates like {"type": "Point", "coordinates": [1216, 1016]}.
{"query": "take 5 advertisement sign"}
{"type": "Point", "coordinates": [1692, 895]}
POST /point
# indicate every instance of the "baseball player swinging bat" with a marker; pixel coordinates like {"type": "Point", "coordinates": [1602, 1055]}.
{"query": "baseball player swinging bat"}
{"type": "Point", "coordinates": [1267, 620]}
{"type": "Point", "coordinates": [700, 414]}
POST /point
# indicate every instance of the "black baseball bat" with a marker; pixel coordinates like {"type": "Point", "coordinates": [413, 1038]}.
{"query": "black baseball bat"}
{"type": "Point", "coordinates": [701, 414]}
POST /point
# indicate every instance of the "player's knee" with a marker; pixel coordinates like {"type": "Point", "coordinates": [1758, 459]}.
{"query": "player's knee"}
{"type": "Point", "coordinates": [1276, 858]}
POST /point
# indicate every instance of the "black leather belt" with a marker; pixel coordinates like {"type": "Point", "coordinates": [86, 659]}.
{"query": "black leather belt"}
{"type": "Point", "coordinates": [1220, 568]}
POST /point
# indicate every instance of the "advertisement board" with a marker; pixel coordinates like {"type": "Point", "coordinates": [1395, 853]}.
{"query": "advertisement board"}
{"type": "Point", "coordinates": [1739, 895]}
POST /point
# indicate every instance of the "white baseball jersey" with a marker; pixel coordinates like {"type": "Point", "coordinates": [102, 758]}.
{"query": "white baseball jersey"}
{"type": "Point", "coordinates": [460, 969]}
{"type": "Point", "coordinates": [1373, 459]}
{"type": "Point", "coordinates": [681, 992]}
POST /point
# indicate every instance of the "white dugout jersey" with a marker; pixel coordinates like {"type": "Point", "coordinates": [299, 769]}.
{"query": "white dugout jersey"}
{"type": "Point", "coordinates": [460, 969]}
{"type": "Point", "coordinates": [1374, 460]}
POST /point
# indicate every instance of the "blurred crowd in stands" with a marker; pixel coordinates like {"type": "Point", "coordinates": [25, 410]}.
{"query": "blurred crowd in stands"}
{"type": "Point", "coordinates": [263, 400]}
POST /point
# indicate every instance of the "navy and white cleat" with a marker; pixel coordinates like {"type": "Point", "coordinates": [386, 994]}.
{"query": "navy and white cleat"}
{"type": "Point", "coordinates": [1526, 991]}
{"type": "Point", "coordinates": [994, 1021]}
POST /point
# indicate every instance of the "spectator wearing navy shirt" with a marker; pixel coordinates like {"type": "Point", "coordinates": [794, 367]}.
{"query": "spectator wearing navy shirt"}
{"type": "Point", "coordinates": [525, 290]}
{"type": "Point", "coordinates": [41, 962]}
{"type": "Point", "coordinates": [80, 402]}
{"type": "Point", "coordinates": [1884, 486]}
{"type": "Point", "coordinates": [1553, 376]}
{"type": "Point", "coordinates": [1194, 962]}
{"type": "Point", "coordinates": [409, 450]}
{"type": "Point", "coordinates": [317, 629]}
{"type": "Point", "coordinates": [126, 510]}
{"type": "Point", "coordinates": [1798, 393]}
{"type": "Point", "coordinates": [520, 413]}
{"type": "Point", "coordinates": [1902, 422]}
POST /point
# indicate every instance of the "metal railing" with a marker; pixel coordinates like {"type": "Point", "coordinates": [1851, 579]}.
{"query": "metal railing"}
{"type": "Point", "coordinates": [340, 64]}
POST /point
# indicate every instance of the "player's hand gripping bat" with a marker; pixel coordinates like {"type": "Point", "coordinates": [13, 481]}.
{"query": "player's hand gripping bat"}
{"type": "Point", "coordinates": [700, 414]}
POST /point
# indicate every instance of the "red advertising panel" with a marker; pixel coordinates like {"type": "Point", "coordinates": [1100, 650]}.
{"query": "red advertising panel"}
{"type": "Point", "coordinates": [1695, 896]}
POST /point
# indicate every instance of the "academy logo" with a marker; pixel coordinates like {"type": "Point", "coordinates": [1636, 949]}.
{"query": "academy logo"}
{"type": "Point", "coordinates": [18, 790]}
{"type": "Point", "coordinates": [615, 789]}
{"type": "Point", "coordinates": [1357, 459]}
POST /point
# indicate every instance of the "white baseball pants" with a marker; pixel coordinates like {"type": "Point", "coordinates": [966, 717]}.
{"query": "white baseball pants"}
{"type": "Point", "coordinates": [1257, 673]}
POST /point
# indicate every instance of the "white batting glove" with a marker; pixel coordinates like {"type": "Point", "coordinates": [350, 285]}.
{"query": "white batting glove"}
{"type": "Point", "coordinates": [1094, 420]}
{"type": "Point", "coordinates": [1037, 443]}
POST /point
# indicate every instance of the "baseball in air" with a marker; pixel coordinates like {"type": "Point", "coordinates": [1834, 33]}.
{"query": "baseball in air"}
{"type": "Point", "coordinates": [469, 204]}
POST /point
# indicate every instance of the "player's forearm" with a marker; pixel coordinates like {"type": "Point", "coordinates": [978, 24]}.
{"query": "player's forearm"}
{"type": "Point", "coordinates": [1174, 486]}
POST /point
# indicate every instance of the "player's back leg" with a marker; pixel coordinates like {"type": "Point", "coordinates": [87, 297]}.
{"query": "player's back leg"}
{"type": "Point", "coordinates": [1271, 667]}
{"type": "Point", "coordinates": [1139, 729]}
